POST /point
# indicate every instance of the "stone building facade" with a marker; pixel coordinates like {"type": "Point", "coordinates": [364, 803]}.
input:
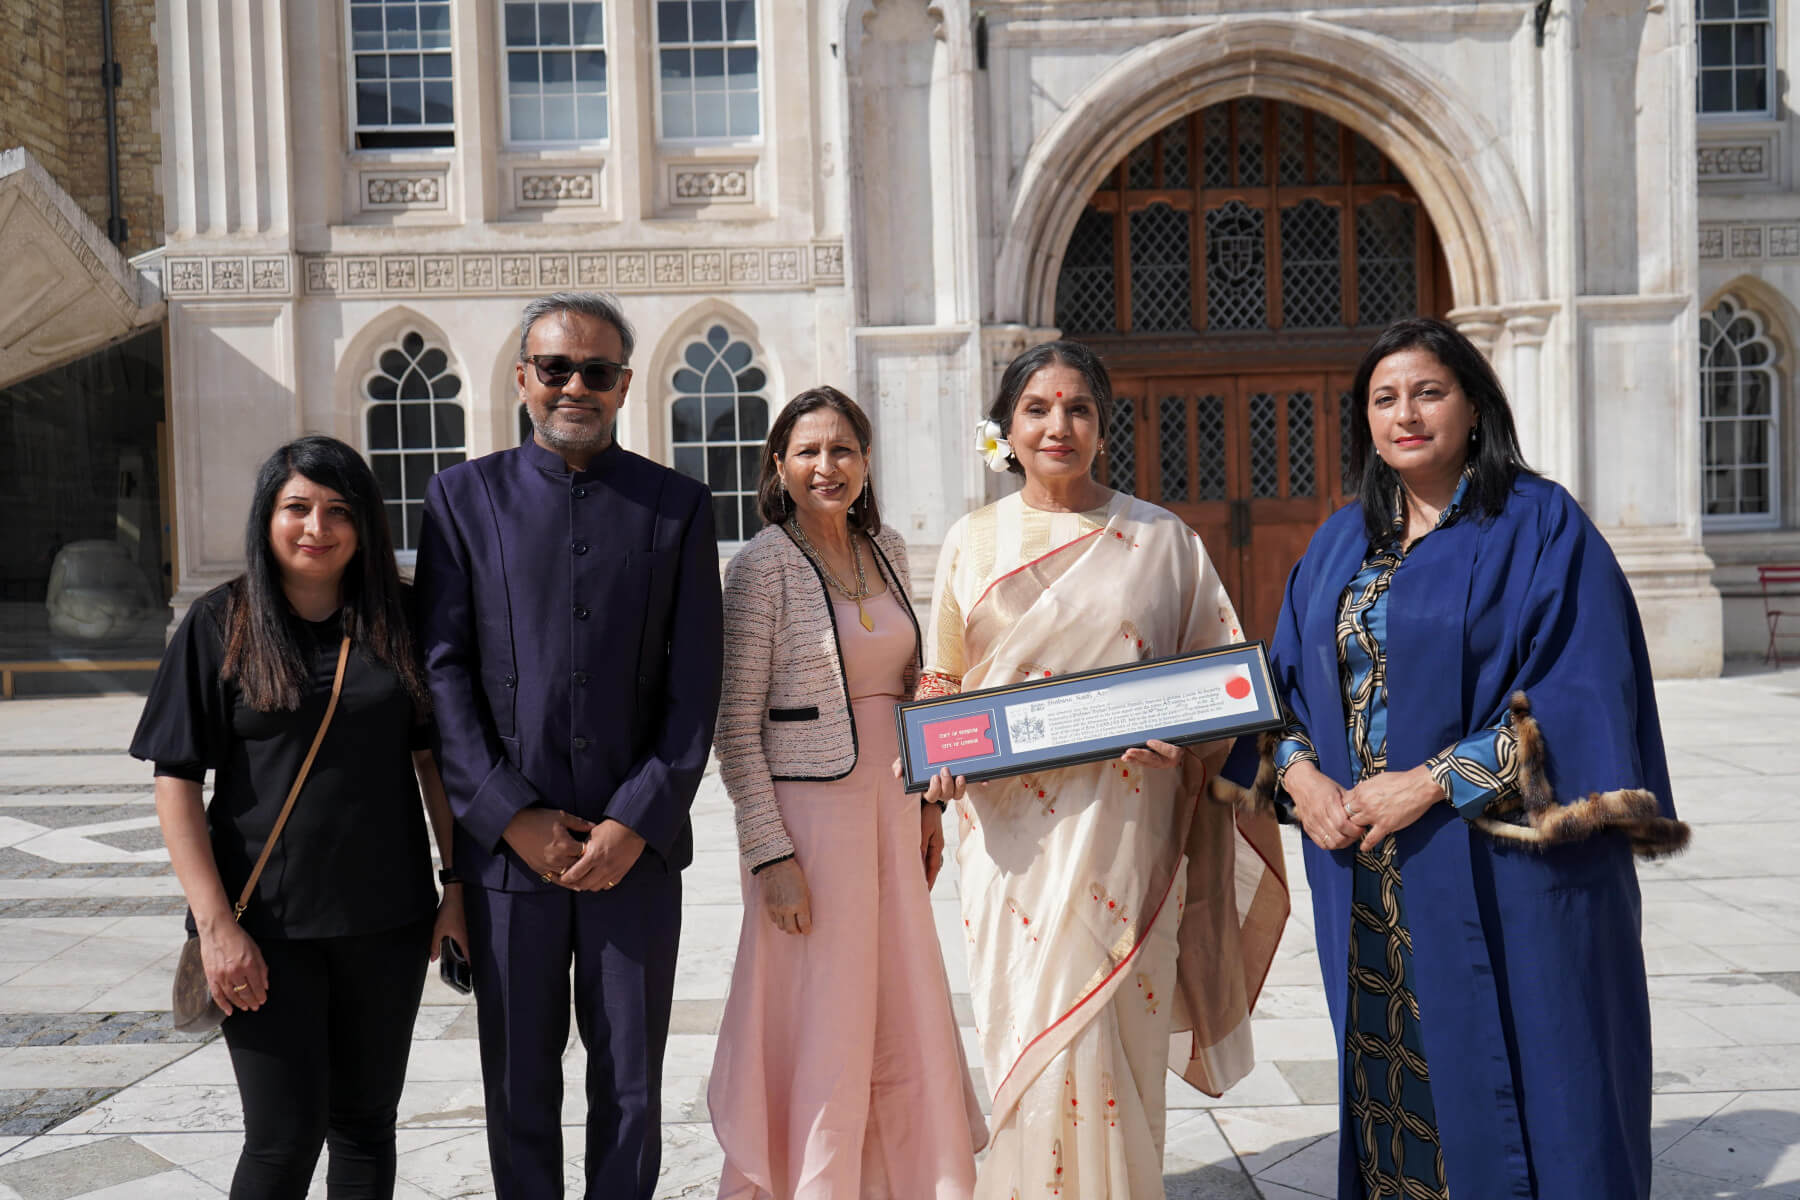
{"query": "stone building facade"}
{"type": "Point", "coordinates": [895, 196]}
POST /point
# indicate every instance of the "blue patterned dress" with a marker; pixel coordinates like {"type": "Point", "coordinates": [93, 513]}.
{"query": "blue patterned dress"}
{"type": "Point", "coordinates": [1388, 1080]}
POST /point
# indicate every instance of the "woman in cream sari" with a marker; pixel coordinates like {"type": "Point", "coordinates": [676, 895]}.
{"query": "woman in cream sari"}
{"type": "Point", "coordinates": [1117, 923]}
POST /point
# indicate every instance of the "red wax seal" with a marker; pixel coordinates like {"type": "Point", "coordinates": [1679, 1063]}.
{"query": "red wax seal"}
{"type": "Point", "coordinates": [1237, 687]}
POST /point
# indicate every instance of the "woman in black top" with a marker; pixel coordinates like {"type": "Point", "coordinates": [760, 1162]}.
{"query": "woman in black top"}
{"type": "Point", "coordinates": [322, 977]}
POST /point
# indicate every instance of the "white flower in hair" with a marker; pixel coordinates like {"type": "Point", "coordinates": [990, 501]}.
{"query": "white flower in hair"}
{"type": "Point", "coordinates": [992, 446]}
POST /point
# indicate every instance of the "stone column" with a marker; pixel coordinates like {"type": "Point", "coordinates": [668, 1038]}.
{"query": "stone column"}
{"type": "Point", "coordinates": [228, 269]}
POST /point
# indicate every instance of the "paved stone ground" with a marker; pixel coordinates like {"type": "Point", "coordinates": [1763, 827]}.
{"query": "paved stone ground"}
{"type": "Point", "coordinates": [99, 1099]}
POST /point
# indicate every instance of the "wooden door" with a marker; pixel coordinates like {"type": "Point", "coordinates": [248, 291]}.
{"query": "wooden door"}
{"type": "Point", "coordinates": [1251, 462]}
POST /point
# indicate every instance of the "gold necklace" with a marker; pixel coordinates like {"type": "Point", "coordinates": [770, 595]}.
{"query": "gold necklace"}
{"type": "Point", "coordinates": [862, 583]}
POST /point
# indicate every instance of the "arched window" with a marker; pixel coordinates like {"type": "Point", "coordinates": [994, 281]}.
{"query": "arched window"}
{"type": "Point", "coordinates": [413, 428]}
{"type": "Point", "coordinates": [1249, 217]}
{"type": "Point", "coordinates": [1740, 419]}
{"type": "Point", "coordinates": [717, 424]}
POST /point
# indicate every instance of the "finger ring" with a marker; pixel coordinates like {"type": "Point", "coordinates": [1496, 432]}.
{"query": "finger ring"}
{"type": "Point", "coordinates": [606, 887]}
{"type": "Point", "coordinates": [547, 877]}
{"type": "Point", "coordinates": [240, 987]}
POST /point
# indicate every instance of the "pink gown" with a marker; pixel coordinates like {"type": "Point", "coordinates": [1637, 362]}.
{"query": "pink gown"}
{"type": "Point", "coordinates": [840, 1073]}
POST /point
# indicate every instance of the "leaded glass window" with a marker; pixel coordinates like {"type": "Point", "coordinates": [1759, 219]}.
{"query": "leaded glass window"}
{"type": "Point", "coordinates": [1300, 444]}
{"type": "Point", "coordinates": [1248, 216]}
{"type": "Point", "coordinates": [1736, 37]}
{"type": "Point", "coordinates": [412, 428]}
{"type": "Point", "coordinates": [1740, 418]}
{"type": "Point", "coordinates": [709, 69]}
{"type": "Point", "coordinates": [717, 424]}
{"type": "Point", "coordinates": [555, 71]}
{"type": "Point", "coordinates": [1159, 269]}
{"type": "Point", "coordinates": [400, 56]}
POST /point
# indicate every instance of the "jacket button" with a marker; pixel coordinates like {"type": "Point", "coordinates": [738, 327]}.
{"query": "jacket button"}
{"type": "Point", "coordinates": [579, 547]}
{"type": "Point", "coordinates": [581, 612]}
{"type": "Point", "coordinates": [581, 743]}
{"type": "Point", "coordinates": [510, 681]}
{"type": "Point", "coordinates": [579, 493]}
{"type": "Point", "coordinates": [581, 678]}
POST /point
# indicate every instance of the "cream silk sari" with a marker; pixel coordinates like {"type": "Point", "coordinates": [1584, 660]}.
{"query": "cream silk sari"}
{"type": "Point", "coordinates": [1117, 923]}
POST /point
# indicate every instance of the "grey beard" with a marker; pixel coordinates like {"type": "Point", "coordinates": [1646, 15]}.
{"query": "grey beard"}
{"type": "Point", "coordinates": [562, 439]}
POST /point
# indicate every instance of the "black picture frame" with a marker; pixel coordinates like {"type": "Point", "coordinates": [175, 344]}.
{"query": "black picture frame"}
{"type": "Point", "coordinates": [991, 734]}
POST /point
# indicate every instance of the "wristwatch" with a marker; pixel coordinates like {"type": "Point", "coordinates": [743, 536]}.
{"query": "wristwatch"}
{"type": "Point", "coordinates": [446, 875]}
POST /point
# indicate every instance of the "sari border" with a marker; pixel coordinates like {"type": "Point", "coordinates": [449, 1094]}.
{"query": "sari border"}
{"type": "Point", "coordinates": [1050, 553]}
{"type": "Point", "coordinates": [1096, 990]}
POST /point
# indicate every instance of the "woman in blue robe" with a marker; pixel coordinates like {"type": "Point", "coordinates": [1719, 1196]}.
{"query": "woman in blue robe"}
{"type": "Point", "coordinates": [1475, 756]}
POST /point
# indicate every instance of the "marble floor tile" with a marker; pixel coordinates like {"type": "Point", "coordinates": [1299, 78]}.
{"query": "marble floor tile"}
{"type": "Point", "coordinates": [1754, 1024]}
{"type": "Point", "coordinates": [1672, 1026]}
{"type": "Point", "coordinates": [1265, 1137]}
{"type": "Point", "coordinates": [709, 936]}
{"type": "Point", "coordinates": [1753, 1141]}
{"type": "Point", "coordinates": [1264, 1085]}
{"type": "Point", "coordinates": [1726, 1068]}
{"type": "Point", "coordinates": [1716, 991]}
{"type": "Point", "coordinates": [177, 1108]}
{"type": "Point", "coordinates": [1297, 1037]}
{"type": "Point", "coordinates": [1674, 1115]}
{"type": "Point", "coordinates": [170, 1185]}
{"type": "Point", "coordinates": [82, 1170]}
{"type": "Point", "coordinates": [1777, 956]}
{"type": "Point", "coordinates": [85, 1066]}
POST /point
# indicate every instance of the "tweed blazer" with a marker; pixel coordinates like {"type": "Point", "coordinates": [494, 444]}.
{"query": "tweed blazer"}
{"type": "Point", "coordinates": [784, 712]}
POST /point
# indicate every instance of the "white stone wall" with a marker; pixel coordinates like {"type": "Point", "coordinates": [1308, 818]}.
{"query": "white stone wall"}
{"type": "Point", "coordinates": [1749, 248]}
{"type": "Point", "coordinates": [899, 225]}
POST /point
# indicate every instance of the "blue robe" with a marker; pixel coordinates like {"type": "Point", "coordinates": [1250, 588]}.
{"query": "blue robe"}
{"type": "Point", "coordinates": [571, 628]}
{"type": "Point", "coordinates": [1528, 961]}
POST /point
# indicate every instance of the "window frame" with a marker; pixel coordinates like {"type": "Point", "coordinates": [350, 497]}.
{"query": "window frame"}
{"type": "Point", "coordinates": [758, 360]}
{"type": "Point", "coordinates": [1779, 387]}
{"type": "Point", "coordinates": [367, 403]}
{"type": "Point", "coordinates": [1771, 79]}
{"type": "Point", "coordinates": [354, 127]}
{"type": "Point", "coordinates": [508, 142]}
{"type": "Point", "coordinates": [697, 140]}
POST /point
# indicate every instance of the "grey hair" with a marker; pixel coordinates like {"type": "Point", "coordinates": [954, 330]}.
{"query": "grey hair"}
{"type": "Point", "coordinates": [602, 306]}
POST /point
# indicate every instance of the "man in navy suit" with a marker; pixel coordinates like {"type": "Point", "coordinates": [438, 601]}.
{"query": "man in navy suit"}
{"type": "Point", "coordinates": [569, 599]}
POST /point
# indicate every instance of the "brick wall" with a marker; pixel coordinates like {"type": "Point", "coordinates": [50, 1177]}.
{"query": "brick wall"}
{"type": "Point", "coordinates": [53, 104]}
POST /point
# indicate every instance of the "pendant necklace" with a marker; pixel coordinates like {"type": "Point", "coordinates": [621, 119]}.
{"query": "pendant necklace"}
{"type": "Point", "coordinates": [862, 583]}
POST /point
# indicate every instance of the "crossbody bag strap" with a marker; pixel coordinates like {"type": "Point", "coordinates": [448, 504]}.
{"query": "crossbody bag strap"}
{"type": "Point", "coordinates": [337, 687]}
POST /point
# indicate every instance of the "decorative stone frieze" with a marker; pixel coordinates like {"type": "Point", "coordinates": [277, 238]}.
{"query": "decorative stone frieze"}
{"type": "Point", "coordinates": [719, 269]}
{"type": "Point", "coordinates": [1745, 241]}
{"type": "Point", "coordinates": [557, 189]}
{"type": "Point", "coordinates": [388, 192]}
{"type": "Point", "coordinates": [1733, 162]}
{"type": "Point", "coordinates": [263, 275]}
{"type": "Point", "coordinates": [710, 186]}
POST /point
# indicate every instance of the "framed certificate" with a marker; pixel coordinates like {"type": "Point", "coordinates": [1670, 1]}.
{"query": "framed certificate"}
{"type": "Point", "coordinates": [1090, 715]}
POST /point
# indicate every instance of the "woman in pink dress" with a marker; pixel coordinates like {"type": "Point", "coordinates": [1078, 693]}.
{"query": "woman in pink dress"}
{"type": "Point", "coordinates": [839, 1073]}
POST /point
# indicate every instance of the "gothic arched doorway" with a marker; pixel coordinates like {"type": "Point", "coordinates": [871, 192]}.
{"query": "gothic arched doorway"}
{"type": "Point", "coordinates": [1231, 270]}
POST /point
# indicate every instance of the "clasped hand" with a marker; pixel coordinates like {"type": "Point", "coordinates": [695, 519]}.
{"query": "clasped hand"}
{"type": "Point", "coordinates": [1364, 816]}
{"type": "Point", "coordinates": [576, 853]}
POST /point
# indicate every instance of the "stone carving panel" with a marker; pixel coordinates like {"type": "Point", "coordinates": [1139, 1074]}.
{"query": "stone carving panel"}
{"type": "Point", "coordinates": [557, 189]}
{"type": "Point", "coordinates": [402, 192]}
{"type": "Point", "coordinates": [1733, 162]}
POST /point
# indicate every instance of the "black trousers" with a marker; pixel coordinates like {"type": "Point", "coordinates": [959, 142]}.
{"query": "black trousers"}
{"type": "Point", "coordinates": [622, 944]}
{"type": "Point", "coordinates": [325, 1058]}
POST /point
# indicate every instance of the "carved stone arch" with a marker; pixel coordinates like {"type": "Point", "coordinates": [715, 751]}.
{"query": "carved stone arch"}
{"type": "Point", "coordinates": [1775, 314]}
{"type": "Point", "coordinates": [654, 378]}
{"type": "Point", "coordinates": [358, 360]}
{"type": "Point", "coordinates": [1455, 162]}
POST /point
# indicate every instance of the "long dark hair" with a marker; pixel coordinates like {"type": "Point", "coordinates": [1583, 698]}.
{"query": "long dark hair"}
{"type": "Point", "coordinates": [262, 648]}
{"type": "Point", "coordinates": [1495, 461]}
{"type": "Point", "coordinates": [771, 492]}
{"type": "Point", "coordinates": [1065, 352]}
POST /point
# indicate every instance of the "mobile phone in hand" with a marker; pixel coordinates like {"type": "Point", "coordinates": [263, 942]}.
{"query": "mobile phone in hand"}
{"type": "Point", "coordinates": [453, 967]}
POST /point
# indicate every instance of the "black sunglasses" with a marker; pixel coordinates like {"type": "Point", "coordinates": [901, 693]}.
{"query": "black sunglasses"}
{"type": "Point", "coordinates": [597, 374]}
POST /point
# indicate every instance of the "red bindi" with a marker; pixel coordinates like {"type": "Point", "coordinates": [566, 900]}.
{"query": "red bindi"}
{"type": "Point", "coordinates": [1059, 395]}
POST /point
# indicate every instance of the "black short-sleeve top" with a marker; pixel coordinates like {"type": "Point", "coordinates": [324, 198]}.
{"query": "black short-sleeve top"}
{"type": "Point", "coordinates": [354, 856]}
